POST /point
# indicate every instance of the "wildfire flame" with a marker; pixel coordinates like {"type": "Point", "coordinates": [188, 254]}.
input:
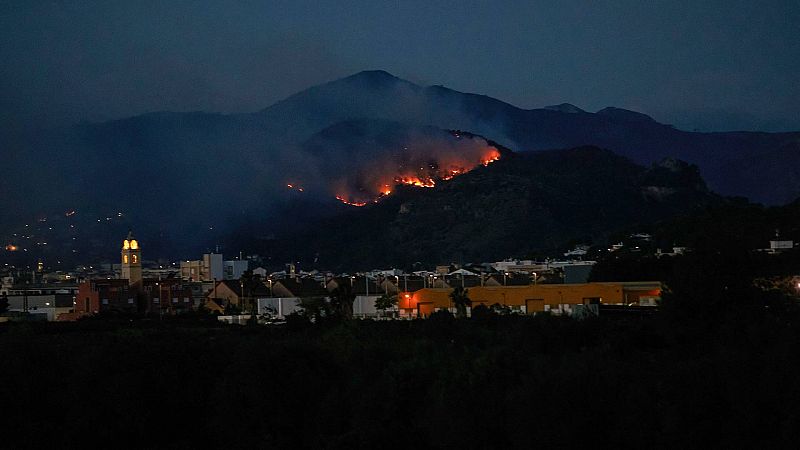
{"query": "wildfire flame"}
{"type": "Point", "coordinates": [416, 181]}
{"type": "Point", "coordinates": [424, 177]}
{"type": "Point", "coordinates": [347, 202]}
{"type": "Point", "coordinates": [493, 156]}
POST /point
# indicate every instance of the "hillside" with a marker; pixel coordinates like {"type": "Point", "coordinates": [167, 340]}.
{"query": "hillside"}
{"type": "Point", "coordinates": [189, 178]}
{"type": "Point", "coordinates": [525, 203]}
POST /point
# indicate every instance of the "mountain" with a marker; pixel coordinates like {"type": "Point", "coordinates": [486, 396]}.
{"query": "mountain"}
{"type": "Point", "coordinates": [565, 108]}
{"type": "Point", "coordinates": [186, 179]}
{"type": "Point", "coordinates": [523, 204]}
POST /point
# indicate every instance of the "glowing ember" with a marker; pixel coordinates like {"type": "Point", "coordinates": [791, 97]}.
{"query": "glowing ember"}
{"type": "Point", "coordinates": [295, 187]}
{"type": "Point", "coordinates": [347, 202]}
{"type": "Point", "coordinates": [11, 248]}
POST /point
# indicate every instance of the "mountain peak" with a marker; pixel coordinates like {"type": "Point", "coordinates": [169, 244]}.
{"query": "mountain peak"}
{"type": "Point", "coordinates": [565, 108]}
{"type": "Point", "coordinates": [372, 76]}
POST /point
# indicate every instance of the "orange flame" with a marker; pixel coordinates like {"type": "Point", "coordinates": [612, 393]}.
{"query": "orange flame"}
{"type": "Point", "coordinates": [347, 202]}
{"type": "Point", "coordinates": [416, 181]}
{"type": "Point", "coordinates": [426, 177]}
{"type": "Point", "coordinates": [493, 156]}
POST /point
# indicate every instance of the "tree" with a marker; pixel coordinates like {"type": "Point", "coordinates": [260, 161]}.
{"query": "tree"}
{"type": "Point", "coordinates": [460, 298]}
{"type": "Point", "coordinates": [385, 301]}
{"type": "Point", "coordinates": [314, 309]}
{"type": "Point", "coordinates": [342, 299]}
{"type": "Point", "coordinates": [482, 312]}
{"type": "Point", "coordinates": [231, 309]}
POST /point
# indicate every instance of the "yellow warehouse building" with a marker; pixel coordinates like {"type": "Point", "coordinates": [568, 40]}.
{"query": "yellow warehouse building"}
{"type": "Point", "coordinates": [558, 298]}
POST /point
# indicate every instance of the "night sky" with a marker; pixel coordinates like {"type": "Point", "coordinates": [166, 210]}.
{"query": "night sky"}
{"type": "Point", "coordinates": [712, 65]}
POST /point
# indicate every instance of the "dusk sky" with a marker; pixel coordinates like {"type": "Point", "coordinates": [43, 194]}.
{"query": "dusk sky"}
{"type": "Point", "coordinates": [712, 65]}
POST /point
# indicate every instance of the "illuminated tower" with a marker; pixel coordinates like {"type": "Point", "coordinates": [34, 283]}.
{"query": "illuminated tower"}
{"type": "Point", "coordinates": [131, 260]}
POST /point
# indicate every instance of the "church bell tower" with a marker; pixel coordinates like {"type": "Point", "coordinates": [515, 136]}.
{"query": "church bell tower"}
{"type": "Point", "coordinates": [131, 260]}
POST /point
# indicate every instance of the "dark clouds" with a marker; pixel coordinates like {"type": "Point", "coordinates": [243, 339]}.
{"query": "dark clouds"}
{"type": "Point", "coordinates": [715, 65]}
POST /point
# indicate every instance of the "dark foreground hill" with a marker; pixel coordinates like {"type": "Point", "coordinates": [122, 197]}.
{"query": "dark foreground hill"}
{"type": "Point", "coordinates": [526, 203]}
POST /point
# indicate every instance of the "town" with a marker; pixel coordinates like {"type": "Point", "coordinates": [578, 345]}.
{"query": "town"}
{"type": "Point", "coordinates": [236, 292]}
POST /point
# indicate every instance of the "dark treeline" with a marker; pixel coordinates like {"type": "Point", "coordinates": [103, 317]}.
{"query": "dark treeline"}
{"type": "Point", "coordinates": [493, 382]}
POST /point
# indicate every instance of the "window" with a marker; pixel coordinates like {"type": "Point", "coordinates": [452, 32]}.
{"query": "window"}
{"type": "Point", "coordinates": [124, 259]}
{"type": "Point", "coordinates": [134, 259]}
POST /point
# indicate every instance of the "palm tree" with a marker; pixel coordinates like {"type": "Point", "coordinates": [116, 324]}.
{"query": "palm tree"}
{"type": "Point", "coordinates": [461, 300]}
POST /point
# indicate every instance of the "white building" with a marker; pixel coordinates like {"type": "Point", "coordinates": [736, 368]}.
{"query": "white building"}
{"type": "Point", "coordinates": [233, 270]}
{"type": "Point", "coordinates": [277, 307]}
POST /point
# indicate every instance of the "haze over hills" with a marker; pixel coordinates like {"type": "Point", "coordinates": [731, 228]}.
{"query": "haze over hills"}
{"type": "Point", "coordinates": [188, 179]}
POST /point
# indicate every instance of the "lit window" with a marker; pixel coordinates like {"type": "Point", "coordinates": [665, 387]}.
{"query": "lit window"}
{"type": "Point", "coordinates": [124, 259]}
{"type": "Point", "coordinates": [134, 245]}
{"type": "Point", "coordinates": [134, 259]}
{"type": "Point", "coordinates": [126, 245]}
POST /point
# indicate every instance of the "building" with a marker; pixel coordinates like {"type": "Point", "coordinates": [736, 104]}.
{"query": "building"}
{"type": "Point", "coordinates": [233, 270]}
{"type": "Point", "coordinates": [209, 268]}
{"type": "Point", "coordinates": [288, 294]}
{"type": "Point", "coordinates": [131, 265]}
{"type": "Point", "coordinates": [366, 291]}
{"type": "Point", "coordinates": [165, 296]}
{"type": "Point", "coordinates": [530, 299]}
{"type": "Point", "coordinates": [50, 304]}
{"type": "Point", "coordinates": [104, 295]}
{"type": "Point", "coordinates": [242, 294]}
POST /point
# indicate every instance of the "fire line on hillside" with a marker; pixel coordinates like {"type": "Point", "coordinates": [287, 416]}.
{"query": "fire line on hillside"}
{"type": "Point", "coordinates": [426, 176]}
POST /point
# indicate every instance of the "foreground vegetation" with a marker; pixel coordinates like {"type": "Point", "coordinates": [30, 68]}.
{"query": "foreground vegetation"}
{"type": "Point", "coordinates": [716, 367]}
{"type": "Point", "coordinates": [495, 382]}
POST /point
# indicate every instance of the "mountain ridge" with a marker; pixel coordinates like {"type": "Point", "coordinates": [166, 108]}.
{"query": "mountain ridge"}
{"type": "Point", "coordinates": [170, 170]}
